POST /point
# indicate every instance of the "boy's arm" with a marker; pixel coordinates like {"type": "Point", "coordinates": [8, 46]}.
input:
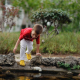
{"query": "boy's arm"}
{"type": "Point", "coordinates": [37, 48]}
{"type": "Point", "coordinates": [38, 45]}
{"type": "Point", "coordinates": [17, 43]}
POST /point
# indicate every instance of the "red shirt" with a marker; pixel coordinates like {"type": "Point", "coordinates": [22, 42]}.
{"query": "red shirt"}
{"type": "Point", "coordinates": [26, 34]}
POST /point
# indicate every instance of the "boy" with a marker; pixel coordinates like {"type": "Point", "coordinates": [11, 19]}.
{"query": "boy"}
{"type": "Point", "coordinates": [26, 38]}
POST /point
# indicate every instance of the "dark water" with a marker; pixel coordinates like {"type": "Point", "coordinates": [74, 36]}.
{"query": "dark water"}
{"type": "Point", "coordinates": [39, 78]}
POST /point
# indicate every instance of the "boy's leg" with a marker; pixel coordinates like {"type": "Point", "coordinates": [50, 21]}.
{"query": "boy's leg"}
{"type": "Point", "coordinates": [29, 49]}
{"type": "Point", "coordinates": [23, 45]}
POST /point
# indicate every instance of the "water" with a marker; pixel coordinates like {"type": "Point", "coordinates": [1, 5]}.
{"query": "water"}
{"type": "Point", "coordinates": [39, 78]}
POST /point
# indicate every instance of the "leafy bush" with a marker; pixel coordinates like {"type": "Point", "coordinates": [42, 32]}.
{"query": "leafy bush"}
{"type": "Point", "coordinates": [51, 15]}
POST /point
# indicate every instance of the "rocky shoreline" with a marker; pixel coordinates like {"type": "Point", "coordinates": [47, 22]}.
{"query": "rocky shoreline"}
{"type": "Point", "coordinates": [8, 65]}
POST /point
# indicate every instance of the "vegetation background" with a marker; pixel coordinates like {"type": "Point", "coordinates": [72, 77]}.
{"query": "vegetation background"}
{"type": "Point", "coordinates": [67, 41]}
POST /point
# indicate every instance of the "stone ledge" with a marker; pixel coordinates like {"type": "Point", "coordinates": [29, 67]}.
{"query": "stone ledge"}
{"type": "Point", "coordinates": [30, 69]}
{"type": "Point", "coordinates": [39, 64]}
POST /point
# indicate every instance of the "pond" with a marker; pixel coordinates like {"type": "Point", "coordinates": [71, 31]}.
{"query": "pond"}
{"type": "Point", "coordinates": [38, 76]}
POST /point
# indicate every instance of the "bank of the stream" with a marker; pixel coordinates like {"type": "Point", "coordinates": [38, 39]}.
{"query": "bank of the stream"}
{"type": "Point", "coordinates": [38, 67]}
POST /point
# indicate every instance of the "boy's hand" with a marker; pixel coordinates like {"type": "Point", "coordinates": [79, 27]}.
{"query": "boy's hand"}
{"type": "Point", "coordinates": [14, 50]}
{"type": "Point", "coordinates": [38, 54]}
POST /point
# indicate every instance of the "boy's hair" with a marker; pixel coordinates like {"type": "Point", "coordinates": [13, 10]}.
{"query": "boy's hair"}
{"type": "Point", "coordinates": [38, 28]}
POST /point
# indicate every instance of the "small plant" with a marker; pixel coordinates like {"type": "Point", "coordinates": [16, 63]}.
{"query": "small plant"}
{"type": "Point", "coordinates": [64, 65]}
{"type": "Point", "coordinates": [76, 67]}
{"type": "Point", "coordinates": [67, 66]}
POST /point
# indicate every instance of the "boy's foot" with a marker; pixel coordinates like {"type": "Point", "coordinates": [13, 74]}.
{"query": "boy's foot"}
{"type": "Point", "coordinates": [28, 56]}
{"type": "Point", "coordinates": [22, 63]}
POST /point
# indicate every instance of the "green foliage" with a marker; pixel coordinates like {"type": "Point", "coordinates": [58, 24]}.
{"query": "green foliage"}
{"type": "Point", "coordinates": [70, 6]}
{"type": "Point", "coordinates": [64, 43]}
{"type": "Point", "coordinates": [27, 5]}
{"type": "Point", "coordinates": [51, 15]}
{"type": "Point", "coordinates": [67, 66]}
{"type": "Point", "coordinates": [7, 42]}
{"type": "Point", "coordinates": [64, 65]}
{"type": "Point", "coordinates": [76, 67]}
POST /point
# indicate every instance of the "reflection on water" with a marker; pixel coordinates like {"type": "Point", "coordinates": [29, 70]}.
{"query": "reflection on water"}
{"type": "Point", "coordinates": [38, 78]}
{"type": "Point", "coordinates": [23, 78]}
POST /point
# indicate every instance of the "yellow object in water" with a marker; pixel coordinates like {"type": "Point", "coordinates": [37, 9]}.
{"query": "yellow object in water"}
{"type": "Point", "coordinates": [27, 78]}
{"type": "Point", "coordinates": [21, 78]}
{"type": "Point", "coordinates": [28, 56]}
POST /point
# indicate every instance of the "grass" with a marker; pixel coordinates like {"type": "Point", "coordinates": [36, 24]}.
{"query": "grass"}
{"type": "Point", "coordinates": [63, 43]}
{"type": "Point", "coordinates": [7, 42]}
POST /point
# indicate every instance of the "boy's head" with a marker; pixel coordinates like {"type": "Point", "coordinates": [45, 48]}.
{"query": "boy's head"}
{"type": "Point", "coordinates": [36, 31]}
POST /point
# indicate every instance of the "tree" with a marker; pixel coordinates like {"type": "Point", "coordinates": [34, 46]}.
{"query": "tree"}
{"type": "Point", "coordinates": [27, 6]}
{"type": "Point", "coordinates": [71, 6]}
{"type": "Point", "coordinates": [56, 16]}
{"type": "Point", "coordinates": [8, 15]}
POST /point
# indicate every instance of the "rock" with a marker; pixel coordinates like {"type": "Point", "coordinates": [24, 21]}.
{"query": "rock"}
{"type": "Point", "coordinates": [48, 62]}
{"type": "Point", "coordinates": [36, 60]}
{"type": "Point", "coordinates": [9, 74]}
{"type": "Point", "coordinates": [72, 61]}
{"type": "Point", "coordinates": [70, 74]}
{"type": "Point", "coordinates": [7, 59]}
{"type": "Point", "coordinates": [59, 61]}
{"type": "Point", "coordinates": [67, 62]}
{"type": "Point", "coordinates": [78, 61]}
